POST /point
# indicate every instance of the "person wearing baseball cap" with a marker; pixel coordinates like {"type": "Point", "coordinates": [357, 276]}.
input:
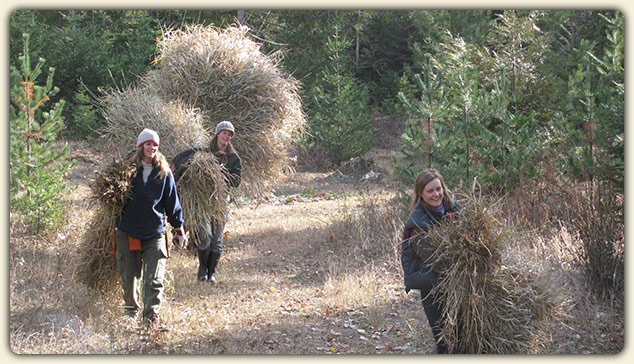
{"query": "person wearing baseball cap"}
{"type": "Point", "coordinates": [141, 245]}
{"type": "Point", "coordinates": [210, 244]}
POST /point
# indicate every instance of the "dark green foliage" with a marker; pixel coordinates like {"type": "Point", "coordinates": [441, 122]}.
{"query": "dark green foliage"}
{"type": "Point", "coordinates": [424, 105]}
{"type": "Point", "coordinates": [37, 166]}
{"type": "Point", "coordinates": [85, 118]}
{"type": "Point", "coordinates": [341, 119]}
{"type": "Point", "coordinates": [595, 117]}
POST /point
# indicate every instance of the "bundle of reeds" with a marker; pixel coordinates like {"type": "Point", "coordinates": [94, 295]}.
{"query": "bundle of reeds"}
{"type": "Point", "coordinates": [203, 193]}
{"type": "Point", "coordinates": [488, 307]}
{"type": "Point", "coordinates": [127, 112]}
{"type": "Point", "coordinates": [111, 186]}
{"type": "Point", "coordinates": [225, 75]}
{"type": "Point", "coordinates": [97, 267]}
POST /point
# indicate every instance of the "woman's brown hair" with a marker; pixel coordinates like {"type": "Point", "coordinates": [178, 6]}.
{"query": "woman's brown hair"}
{"type": "Point", "coordinates": [159, 160]}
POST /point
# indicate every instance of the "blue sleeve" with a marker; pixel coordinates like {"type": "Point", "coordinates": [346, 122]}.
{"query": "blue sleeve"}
{"type": "Point", "coordinates": [173, 208]}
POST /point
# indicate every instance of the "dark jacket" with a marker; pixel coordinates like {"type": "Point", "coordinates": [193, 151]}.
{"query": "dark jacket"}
{"type": "Point", "coordinates": [414, 260]}
{"type": "Point", "coordinates": [143, 216]}
{"type": "Point", "coordinates": [231, 163]}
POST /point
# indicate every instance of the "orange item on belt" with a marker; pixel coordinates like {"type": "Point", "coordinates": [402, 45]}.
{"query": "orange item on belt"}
{"type": "Point", "coordinates": [135, 244]}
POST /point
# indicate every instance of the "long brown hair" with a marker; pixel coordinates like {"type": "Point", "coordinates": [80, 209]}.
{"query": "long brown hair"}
{"type": "Point", "coordinates": [159, 160]}
{"type": "Point", "coordinates": [426, 176]}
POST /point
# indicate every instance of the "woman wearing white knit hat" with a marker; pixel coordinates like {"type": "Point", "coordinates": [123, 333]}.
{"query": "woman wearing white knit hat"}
{"type": "Point", "coordinates": [141, 247]}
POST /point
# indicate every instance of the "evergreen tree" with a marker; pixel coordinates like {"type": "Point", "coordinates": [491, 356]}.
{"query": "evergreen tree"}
{"type": "Point", "coordinates": [37, 166]}
{"type": "Point", "coordinates": [425, 104]}
{"type": "Point", "coordinates": [341, 119]}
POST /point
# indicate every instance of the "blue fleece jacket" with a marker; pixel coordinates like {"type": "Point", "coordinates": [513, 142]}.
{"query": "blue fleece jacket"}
{"type": "Point", "coordinates": [143, 216]}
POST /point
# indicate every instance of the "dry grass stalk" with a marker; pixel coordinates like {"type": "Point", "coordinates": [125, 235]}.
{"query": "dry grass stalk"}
{"type": "Point", "coordinates": [129, 111]}
{"type": "Point", "coordinates": [225, 75]}
{"type": "Point", "coordinates": [203, 192]}
{"type": "Point", "coordinates": [488, 307]}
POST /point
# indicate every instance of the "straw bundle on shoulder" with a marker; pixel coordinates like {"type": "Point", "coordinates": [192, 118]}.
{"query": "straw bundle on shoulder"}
{"type": "Point", "coordinates": [488, 307]}
{"type": "Point", "coordinates": [226, 76]}
{"type": "Point", "coordinates": [203, 192]}
{"type": "Point", "coordinates": [129, 111]}
{"type": "Point", "coordinates": [111, 186]}
{"type": "Point", "coordinates": [97, 267]}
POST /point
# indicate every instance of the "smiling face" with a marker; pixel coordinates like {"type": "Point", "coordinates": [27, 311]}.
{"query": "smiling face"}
{"type": "Point", "coordinates": [149, 151]}
{"type": "Point", "coordinates": [432, 193]}
{"type": "Point", "coordinates": [224, 137]}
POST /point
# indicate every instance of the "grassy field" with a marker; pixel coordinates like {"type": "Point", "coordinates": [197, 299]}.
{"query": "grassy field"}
{"type": "Point", "coordinates": [312, 269]}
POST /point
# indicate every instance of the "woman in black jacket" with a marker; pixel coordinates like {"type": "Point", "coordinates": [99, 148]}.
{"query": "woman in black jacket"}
{"type": "Point", "coordinates": [432, 204]}
{"type": "Point", "coordinates": [210, 244]}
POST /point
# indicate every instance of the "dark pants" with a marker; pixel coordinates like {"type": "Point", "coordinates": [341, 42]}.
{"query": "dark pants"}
{"type": "Point", "coordinates": [148, 264]}
{"type": "Point", "coordinates": [425, 280]}
{"type": "Point", "coordinates": [210, 247]}
{"type": "Point", "coordinates": [433, 311]}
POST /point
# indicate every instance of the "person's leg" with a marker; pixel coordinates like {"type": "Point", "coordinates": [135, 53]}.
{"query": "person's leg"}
{"type": "Point", "coordinates": [154, 256]}
{"type": "Point", "coordinates": [428, 279]}
{"type": "Point", "coordinates": [129, 267]}
{"type": "Point", "coordinates": [204, 237]}
{"type": "Point", "coordinates": [433, 311]}
{"type": "Point", "coordinates": [216, 250]}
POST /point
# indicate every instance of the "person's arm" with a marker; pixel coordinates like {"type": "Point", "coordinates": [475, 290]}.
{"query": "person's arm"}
{"type": "Point", "coordinates": [173, 208]}
{"type": "Point", "coordinates": [233, 170]}
{"type": "Point", "coordinates": [181, 162]}
{"type": "Point", "coordinates": [409, 259]}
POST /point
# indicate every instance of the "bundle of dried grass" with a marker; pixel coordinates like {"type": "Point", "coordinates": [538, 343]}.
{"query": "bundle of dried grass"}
{"type": "Point", "coordinates": [129, 111]}
{"type": "Point", "coordinates": [226, 76]}
{"type": "Point", "coordinates": [111, 186]}
{"type": "Point", "coordinates": [488, 307]}
{"type": "Point", "coordinates": [203, 193]}
{"type": "Point", "coordinates": [97, 266]}
{"type": "Point", "coordinates": [110, 189]}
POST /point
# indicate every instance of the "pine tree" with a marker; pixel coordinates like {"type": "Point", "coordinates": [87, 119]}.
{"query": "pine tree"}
{"type": "Point", "coordinates": [341, 118]}
{"type": "Point", "coordinates": [37, 166]}
{"type": "Point", "coordinates": [419, 141]}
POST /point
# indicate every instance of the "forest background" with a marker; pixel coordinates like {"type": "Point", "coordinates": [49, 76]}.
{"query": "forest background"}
{"type": "Point", "coordinates": [531, 104]}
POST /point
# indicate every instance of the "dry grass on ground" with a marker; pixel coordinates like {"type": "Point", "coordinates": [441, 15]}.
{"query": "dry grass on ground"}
{"type": "Point", "coordinates": [312, 270]}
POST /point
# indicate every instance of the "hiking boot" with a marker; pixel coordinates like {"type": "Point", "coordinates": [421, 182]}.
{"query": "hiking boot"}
{"type": "Point", "coordinates": [155, 324]}
{"type": "Point", "coordinates": [212, 280]}
{"type": "Point", "coordinates": [202, 278]}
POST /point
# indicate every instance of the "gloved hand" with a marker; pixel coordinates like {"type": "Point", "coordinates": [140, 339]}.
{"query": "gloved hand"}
{"type": "Point", "coordinates": [180, 239]}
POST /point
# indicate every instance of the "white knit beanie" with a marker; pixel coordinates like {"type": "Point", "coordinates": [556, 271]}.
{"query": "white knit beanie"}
{"type": "Point", "coordinates": [147, 134]}
{"type": "Point", "coordinates": [225, 125]}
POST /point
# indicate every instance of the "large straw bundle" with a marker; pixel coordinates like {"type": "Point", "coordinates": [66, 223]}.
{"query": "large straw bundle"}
{"type": "Point", "coordinates": [488, 307]}
{"type": "Point", "coordinates": [97, 267]}
{"type": "Point", "coordinates": [224, 74]}
{"type": "Point", "coordinates": [129, 111]}
{"type": "Point", "coordinates": [203, 193]}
